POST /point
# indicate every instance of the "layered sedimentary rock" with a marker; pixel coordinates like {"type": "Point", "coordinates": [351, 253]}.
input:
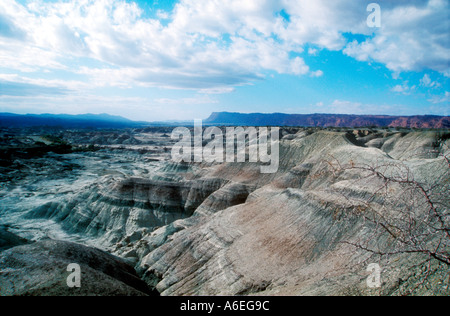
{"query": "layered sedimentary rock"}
{"type": "Point", "coordinates": [111, 210]}
{"type": "Point", "coordinates": [287, 237]}
{"type": "Point", "coordinates": [41, 269]}
{"type": "Point", "coordinates": [227, 229]}
{"type": "Point", "coordinates": [9, 240]}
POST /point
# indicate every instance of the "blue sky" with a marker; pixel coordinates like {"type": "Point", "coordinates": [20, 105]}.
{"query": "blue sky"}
{"type": "Point", "coordinates": [181, 60]}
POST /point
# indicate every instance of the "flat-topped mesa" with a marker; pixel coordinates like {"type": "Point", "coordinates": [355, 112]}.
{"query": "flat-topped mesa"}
{"type": "Point", "coordinates": [327, 120]}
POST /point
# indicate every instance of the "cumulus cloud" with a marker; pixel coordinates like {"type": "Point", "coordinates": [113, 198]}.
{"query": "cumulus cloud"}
{"type": "Point", "coordinates": [184, 54]}
{"type": "Point", "coordinates": [215, 45]}
{"type": "Point", "coordinates": [414, 36]}
{"type": "Point", "coordinates": [404, 88]}
{"type": "Point", "coordinates": [427, 82]}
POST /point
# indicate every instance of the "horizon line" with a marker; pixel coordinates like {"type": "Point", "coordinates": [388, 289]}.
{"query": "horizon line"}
{"type": "Point", "coordinates": [227, 112]}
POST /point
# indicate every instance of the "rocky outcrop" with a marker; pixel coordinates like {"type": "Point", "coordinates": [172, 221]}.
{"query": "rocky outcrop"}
{"type": "Point", "coordinates": [9, 240]}
{"type": "Point", "coordinates": [415, 145]}
{"type": "Point", "coordinates": [109, 210]}
{"type": "Point", "coordinates": [229, 195]}
{"type": "Point", "coordinates": [40, 269]}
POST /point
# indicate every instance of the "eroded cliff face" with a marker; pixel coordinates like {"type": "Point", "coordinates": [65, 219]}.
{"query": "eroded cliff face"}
{"type": "Point", "coordinates": [286, 238]}
{"type": "Point", "coordinates": [111, 209]}
{"type": "Point", "coordinates": [227, 229]}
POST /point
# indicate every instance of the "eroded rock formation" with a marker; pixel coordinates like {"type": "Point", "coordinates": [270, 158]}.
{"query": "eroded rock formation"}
{"type": "Point", "coordinates": [41, 269]}
{"type": "Point", "coordinates": [227, 229]}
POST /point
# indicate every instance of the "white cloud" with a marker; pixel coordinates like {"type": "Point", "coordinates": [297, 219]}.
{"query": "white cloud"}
{"type": "Point", "coordinates": [352, 107]}
{"type": "Point", "coordinates": [345, 107]}
{"type": "Point", "coordinates": [201, 99]}
{"type": "Point", "coordinates": [218, 90]}
{"type": "Point", "coordinates": [427, 82]}
{"type": "Point", "coordinates": [162, 15]}
{"type": "Point", "coordinates": [74, 104]}
{"type": "Point", "coordinates": [46, 83]}
{"type": "Point", "coordinates": [137, 108]}
{"type": "Point", "coordinates": [414, 36]}
{"type": "Point", "coordinates": [322, 22]}
{"type": "Point", "coordinates": [441, 98]}
{"type": "Point", "coordinates": [400, 89]}
{"type": "Point", "coordinates": [404, 88]}
{"type": "Point", "coordinates": [313, 51]}
{"type": "Point", "coordinates": [318, 73]}
{"type": "Point", "coordinates": [215, 45]}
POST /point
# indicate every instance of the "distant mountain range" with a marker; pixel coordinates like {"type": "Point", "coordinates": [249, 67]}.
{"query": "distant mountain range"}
{"type": "Point", "coordinates": [67, 121]}
{"type": "Point", "coordinates": [227, 118]}
{"type": "Point", "coordinates": [327, 120]}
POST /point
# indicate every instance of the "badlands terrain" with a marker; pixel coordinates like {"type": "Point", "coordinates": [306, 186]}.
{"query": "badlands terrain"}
{"type": "Point", "coordinates": [140, 224]}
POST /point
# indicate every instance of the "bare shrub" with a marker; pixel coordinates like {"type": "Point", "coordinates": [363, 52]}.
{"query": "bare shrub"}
{"type": "Point", "coordinates": [402, 214]}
